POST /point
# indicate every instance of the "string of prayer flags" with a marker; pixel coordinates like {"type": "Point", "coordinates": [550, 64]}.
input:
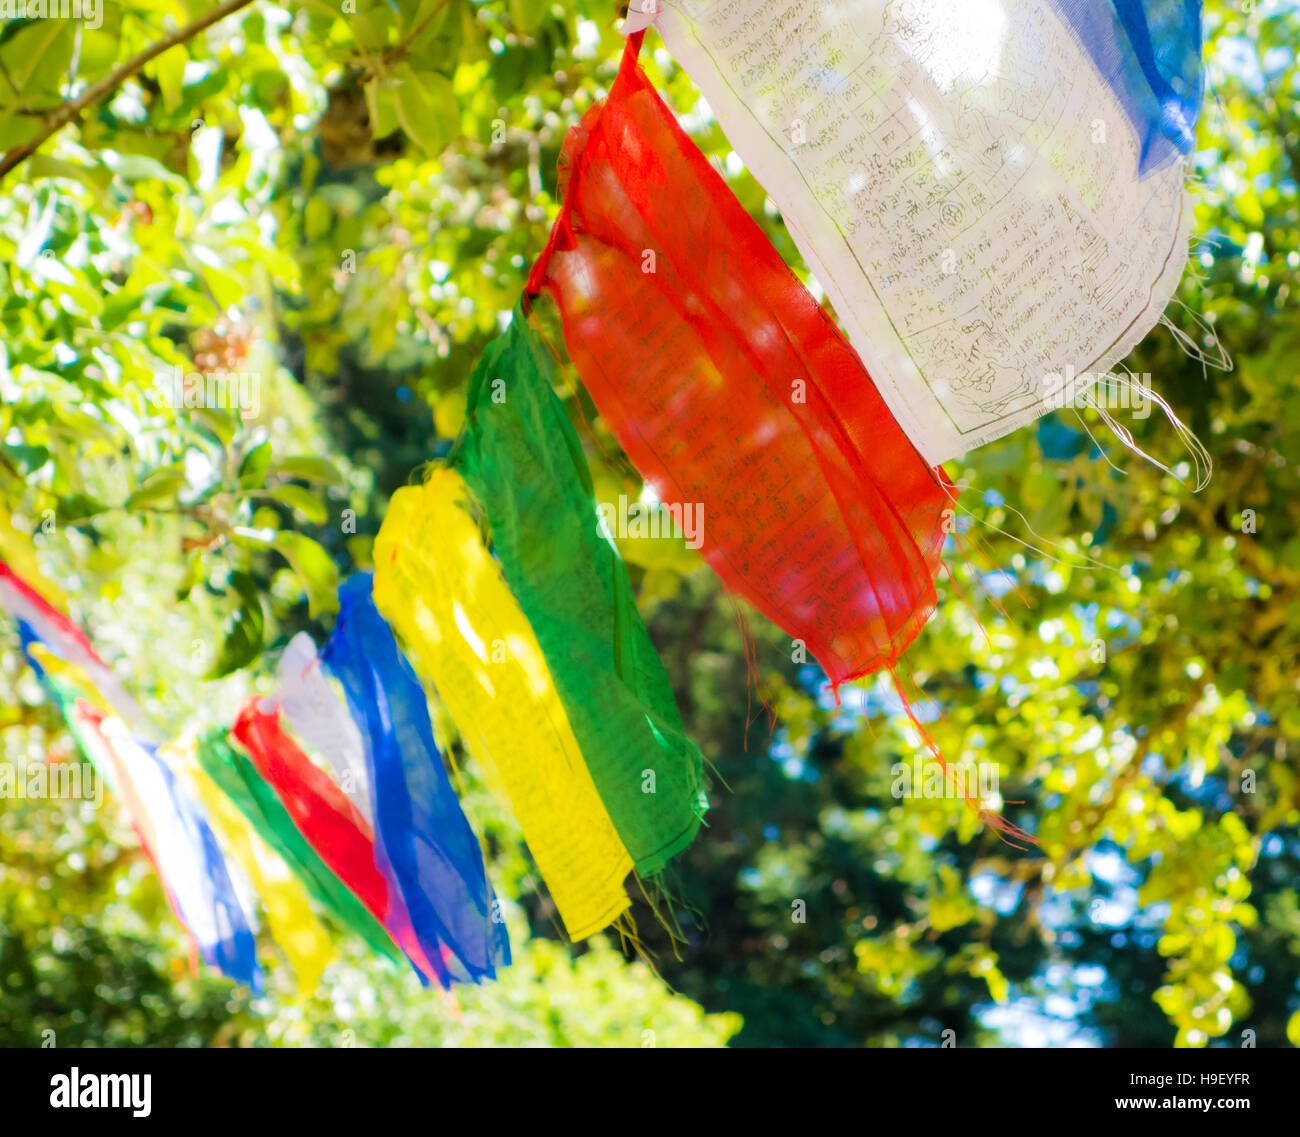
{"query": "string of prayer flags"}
{"type": "Point", "coordinates": [522, 458]}
{"type": "Point", "coordinates": [991, 194]}
{"type": "Point", "coordinates": [300, 813]}
{"type": "Point", "coordinates": [289, 917]}
{"type": "Point", "coordinates": [64, 683]}
{"type": "Point", "coordinates": [168, 823]}
{"type": "Point", "coordinates": [732, 391]}
{"type": "Point", "coordinates": [423, 842]}
{"type": "Point", "coordinates": [178, 835]}
{"type": "Point", "coordinates": [444, 596]}
{"type": "Point", "coordinates": [24, 603]}
{"type": "Point", "coordinates": [330, 823]}
{"type": "Point", "coordinates": [235, 774]}
{"type": "Point", "coordinates": [987, 190]}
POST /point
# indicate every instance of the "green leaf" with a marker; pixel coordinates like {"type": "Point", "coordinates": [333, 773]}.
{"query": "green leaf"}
{"type": "Point", "coordinates": [83, 426]}
{"type": "Point", "coordinates": [99, 46]}
{"type": "Point", "coordinates": [441, 39]}
{"type": "Point", "coordinates": [170, 69]}
{"type": "Point", "coordinates": [227, 287]}
{"type": "Point", "coordinates": [381, 103]}
{"type": "Point", "coordinates": [309, 469]}
{"type": "Point", "coordinates": [427, 108]}
{"type": "Point", "coordinates": [29, 458]}
{"type": "Point", "coordinates": [318, 219]}
{"type": "Point", "coordinates": [38, 61]}
{"type": "Point", "coordinates": [254, 465]}
{"type": "Point", "coordinates": [224, 425]}
{"type": "Point", "coordinates": [13, 26]}
{"type": "Point", "coordinates": [528, 14]}
{"type": "Point", "coordinates": [324, 8]}
{"type": "Point", "coordinates": [119, 307]}
{"type": "Point", "coordinates": [300, 500]}
{"type": "Point", "coordinates": [140, 167]}
{"type": "Point", "coordinates": [194, 574]}
{"type": "Point", "coordinates": [245, 630]}
{"type": "Point", "coordinates": [162, 484]}
{"type": "Point", "coordinates": [77, 507]}
{"type": "Point", "coordinates": [93, 177]}
{"type": "Point", "coordinates": [315, 568]}
{"type": "Point", "coordinates": [371, 27]}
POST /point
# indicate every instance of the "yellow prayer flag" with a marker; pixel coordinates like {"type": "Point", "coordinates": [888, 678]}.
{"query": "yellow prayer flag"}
{"type": "Point", "coordinates": [442, 592]}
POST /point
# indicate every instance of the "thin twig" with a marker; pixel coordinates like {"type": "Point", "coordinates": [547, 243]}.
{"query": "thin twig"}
{"type": "Point", "coordinates": [4, 71]}
{"type": "Point", "coordinates": [98, 91]}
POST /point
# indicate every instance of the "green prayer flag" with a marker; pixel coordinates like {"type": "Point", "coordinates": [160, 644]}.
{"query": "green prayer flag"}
{"type": "Point", "coordinates": [521, 456]}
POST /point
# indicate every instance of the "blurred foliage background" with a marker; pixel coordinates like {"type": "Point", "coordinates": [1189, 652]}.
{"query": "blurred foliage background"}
{"type": "Point", "coordinates": [343, 199]}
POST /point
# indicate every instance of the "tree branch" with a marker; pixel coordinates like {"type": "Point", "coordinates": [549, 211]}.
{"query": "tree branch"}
{"type": "Point", "coordinates": [98, 91]}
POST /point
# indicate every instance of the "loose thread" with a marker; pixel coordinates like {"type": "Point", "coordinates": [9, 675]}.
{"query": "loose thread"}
{"type": "Point", "coordinates": [1005, 829]}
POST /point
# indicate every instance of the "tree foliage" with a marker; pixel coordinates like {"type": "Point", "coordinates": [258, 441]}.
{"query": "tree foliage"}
{"type": "Point", "coordinates": [338, 207]}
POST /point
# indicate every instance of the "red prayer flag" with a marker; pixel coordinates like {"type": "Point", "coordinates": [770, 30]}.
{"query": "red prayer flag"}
{"type": "Point", "coordinates": [329, 822]}
{"type": "Point", "coordinates": [732, 391]}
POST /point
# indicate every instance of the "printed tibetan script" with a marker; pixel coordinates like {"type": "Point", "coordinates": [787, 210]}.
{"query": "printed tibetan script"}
{"type": "Point", "coordinates": [961, 182]}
